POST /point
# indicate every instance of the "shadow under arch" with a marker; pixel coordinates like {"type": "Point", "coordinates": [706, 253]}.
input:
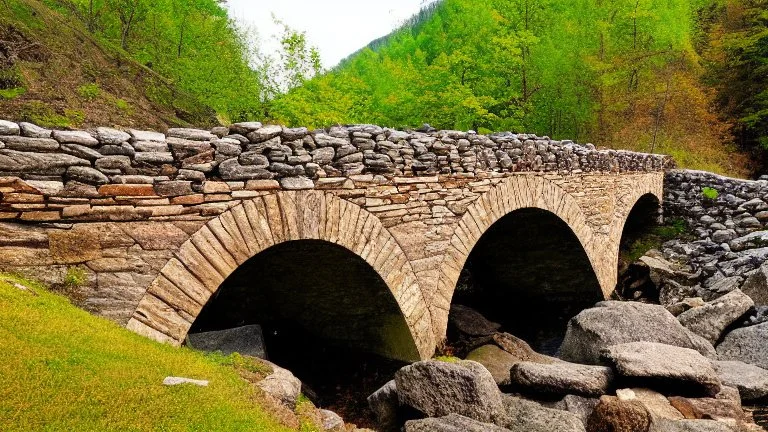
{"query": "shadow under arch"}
{"type": "Point", "coordinates": [216, 251]}
{"type": "Point", "coordinates": [302, 291]}
{"type": "Point", "coordinates": [529, 273]}
{"type": "Point", "coordinates": [633, 280]}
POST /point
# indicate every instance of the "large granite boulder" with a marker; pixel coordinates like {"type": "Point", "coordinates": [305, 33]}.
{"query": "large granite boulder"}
{"type": "Point", "coordinates": [579, 406]}
{"type": "Point", "coordinates": [611, 323]}
{"type": "Point", "coordinates": [246, 340]}
{"type": "Point", "coordinates": [750, 380]}
{"type": "Point", "coordinates": [562, 378]}
{"type": "Point", "coordinates": [666, 367]}
{"type": "Point", "coordinates": [451, 423]}
{"type": "Point", "coordinates": [437, 389]}
{"type": "Point", "coordinates": [528, 416]}
{"type": "Point", "coordinates": [747, 344]}
{"type": "Point", "coordinates": [711, 320]}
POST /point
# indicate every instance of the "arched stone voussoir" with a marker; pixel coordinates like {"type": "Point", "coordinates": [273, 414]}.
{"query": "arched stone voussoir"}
{"type": "Point", "coordinates": [514, 193]}
{"type": "Point", "coordinates": [218, 248]}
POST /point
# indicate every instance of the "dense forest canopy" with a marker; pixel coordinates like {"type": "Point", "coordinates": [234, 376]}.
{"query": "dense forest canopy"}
{"type": "Point", "coordinates": [684, 77]}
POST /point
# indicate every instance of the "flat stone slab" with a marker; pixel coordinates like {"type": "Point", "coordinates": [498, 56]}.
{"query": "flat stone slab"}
{"type": "Point", "coordinates": [711, 320]}
{"type": "Point", "coordinates": [174, 381]}
{"type": "Point", "coordinates": [751, 380]}
{"type": "Point", "coordinates": [562, 378]}
{"type": "Point", "coordinates": [451, 423]}
{"type": "Point", "coordinates": [246, 340]}
{"type": "Point", "coordinates": [612, 323]}
{"type": "Point", "coordinates": [664, 366]}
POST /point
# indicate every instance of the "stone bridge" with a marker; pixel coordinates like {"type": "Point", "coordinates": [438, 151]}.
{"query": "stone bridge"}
{"type": "Point", "coordinates": [358, 233]}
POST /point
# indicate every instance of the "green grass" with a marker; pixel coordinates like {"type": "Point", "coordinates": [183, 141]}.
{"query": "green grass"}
{"type": "Point", "coordinates": [62, 369]}
{"type": "Point", "coordinates": [12, 92]}
{"type": "Point", "coordinates": [89, 91]}
{"type": "Point", "coordinates": [654, 237]}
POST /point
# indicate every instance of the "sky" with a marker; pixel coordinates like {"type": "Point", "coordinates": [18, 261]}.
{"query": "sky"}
{"type": "Point", "coordinates": [337, 27]}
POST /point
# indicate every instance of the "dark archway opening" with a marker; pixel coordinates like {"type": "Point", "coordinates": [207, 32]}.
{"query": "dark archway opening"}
{"type": "Point", "coordinates": [327, 316]}
{"type": "Point", "coordinates": [529, 273]}
{"type": "Point", "coordinates": [642, 232]}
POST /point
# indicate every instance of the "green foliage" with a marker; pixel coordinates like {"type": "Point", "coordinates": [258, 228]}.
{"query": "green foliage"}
{"type": "Point", "coordinates": [89, 91]}
{"type": "Point", "coordinates": [65, 370]}
{"type": "Point", "coordinates": [41, 114]}
{"type": "Point", "coordinates": [447, 359]}
{"type": "Point", "coordinates": [710, 193]}
{"type": "Point", "coordinates": [75, 277]}
{"type": "Point", "coordinates": [12, 93]}
{"type": "Point", "coordinates": [654, 237]}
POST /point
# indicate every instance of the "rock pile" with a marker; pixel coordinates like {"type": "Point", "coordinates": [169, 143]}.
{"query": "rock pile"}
{"type": "Point", "coordinates": [622, 367]}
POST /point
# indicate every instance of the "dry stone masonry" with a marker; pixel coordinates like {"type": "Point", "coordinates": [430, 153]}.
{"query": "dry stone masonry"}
{"type": "Point", "coordinates": [157, 221]}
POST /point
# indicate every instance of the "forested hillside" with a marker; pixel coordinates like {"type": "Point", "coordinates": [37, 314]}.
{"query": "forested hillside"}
{"type": "Point", "coordinates": [70, 63]}
{"type": "Point", "coordinates": [680, 76]}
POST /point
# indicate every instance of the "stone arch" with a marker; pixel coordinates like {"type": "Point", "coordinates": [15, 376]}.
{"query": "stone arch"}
{"type": "Point", "coordinates": [514, 193]}
{"type": "Point", "coordinates": [194, 274]}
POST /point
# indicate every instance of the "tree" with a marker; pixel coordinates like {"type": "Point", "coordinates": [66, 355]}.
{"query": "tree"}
{"type": "Point", "coordinates": [300, 61]}
{"type": "Point", "coordinates": [129, 12]}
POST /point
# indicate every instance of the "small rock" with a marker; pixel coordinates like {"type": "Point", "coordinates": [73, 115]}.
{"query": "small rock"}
{"type": "Point", "coordinates": [655, 403]}
{"type": "Point", "coordinates": [150, 136]}
{"type": "Point", "coordinates": [615, 415]}
{"type": "Point", "coordinates": [244, 128]}
{"type": "Point", "coordinates": [331, 420]}
{"type": "Point", "coordinates": [496, 360]}
{"type": "Point", "coordinates": [756, 285]}
{"type": "Point", "coordinates": [685, 305]}
{"type": "Point", "coordinates": [173, 381]}
{"type": "Point", "coordinates": [296, 183]}
{"type": "Point", "coordinates": [562, 378]}
{"type": "Point", "coordinates": [664, 366]}
{"type": "Point", "coordinates": [33, 131]}
{"type": "Point", "coordinates": [265, 133]}
{"type": "Point", "coordinates": [711, 320]}
{"type": "Point", "coordinates": [282, 385]}
{"type": "Point", "coordinates": [579, 406]}
{"type": "Point", "coordinates": [709, 409]}
{"type": "Point", "coordinates": [86, 175]}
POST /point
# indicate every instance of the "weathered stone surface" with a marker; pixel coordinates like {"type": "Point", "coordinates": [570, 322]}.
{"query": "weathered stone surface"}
{"type": "Point", "coordinates": [282, 385]}
{"type": "Point", "coordinates": [246, 340]}
{"type": "Point", "coordinates": [265, 133]}
{"type": "Point", "coordinates": [138, 135]}
{"type": "Point", "coordinates": [86, 175]}
{"type": "Point", "coordinates": [468, 321]}
{"type": "Point", "coordinates": [438, 389]}
{"type": "Point", "coordinates": [615, 415]}
{"type": "Point", "coordinates": [174, 381]}
{"type": "Point", "coordinates": [30, 144]}
{"type": "Point", "coordinates": [579, 406]}
{"type": "Point", "coordinates": [723, 410]}
{"type": "Point", "coordinates": [244, 128]}
{"type": "Point", "coordinates": [612, 323]}
{"type": "Point", "coordinates": [385, 404]}
{"type": "Point", "coordinates": [665, 366]}
{"type": "Point", "coordinates": [330, 420]}
{"type": "Point", "coordinates": [156, 235]}
{"type": "Point", "coordinates": [665, 425]}
{"type": "Point", "coordinates": [748, 344]}
{"type": "Point", "coordinates": [40, 163]}
{"type": "Point", "coordinates": [750, 380]}
{"type": "Point", "coordinates": [8, 128]}
{"type": "Point", "coordinates": [34, 131]}
{"type": "Point", "coordinates": [111, 136]}
{"type": "Point", "coordinates": [451, 423]}
{"type": "Point", "coordinates": [711, 320]}
{"type": "Point", "coordinates": [75, 137]}
{"type": "Point", "coordinates": [74, 246]}
{"type": "Point", "coordinates": [562, 378]}
{"type": "Point", "coordinates": [296, 183]}
{"type": "Point", "coordinates": [496, 360]}
{"type": "Point", "coordinates": [231, 169]}
{"type": "Point", "coordinates": [655, 403]}
{"type": "Point", "coordinates": [520, 349]}
{"type": "Point", "coordinates": [191, 134]}
{"type": "Point", "coordinates": [80, 151]}
{"type": "Point", "coordinates": [524, 415]}
{"type": "Point", "coordinates": [756, 286]}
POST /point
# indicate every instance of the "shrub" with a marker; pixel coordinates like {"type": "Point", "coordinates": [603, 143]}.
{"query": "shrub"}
{"type": "Point", "coordinates": [710, 193]}
{"type": "Point", "coordinates": [75, 278]}
{"type": "Point", "coordinates": [89, 91]}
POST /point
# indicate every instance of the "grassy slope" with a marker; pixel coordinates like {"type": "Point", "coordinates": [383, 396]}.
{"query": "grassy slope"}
{"type": "Point", "coordinates": [61, 62]}
{"type": "Point", "coordinates": [62, 369]}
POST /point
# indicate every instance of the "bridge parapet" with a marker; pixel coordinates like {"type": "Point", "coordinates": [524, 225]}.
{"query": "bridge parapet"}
{"type": "Point", "coordinates": [107, 174]}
